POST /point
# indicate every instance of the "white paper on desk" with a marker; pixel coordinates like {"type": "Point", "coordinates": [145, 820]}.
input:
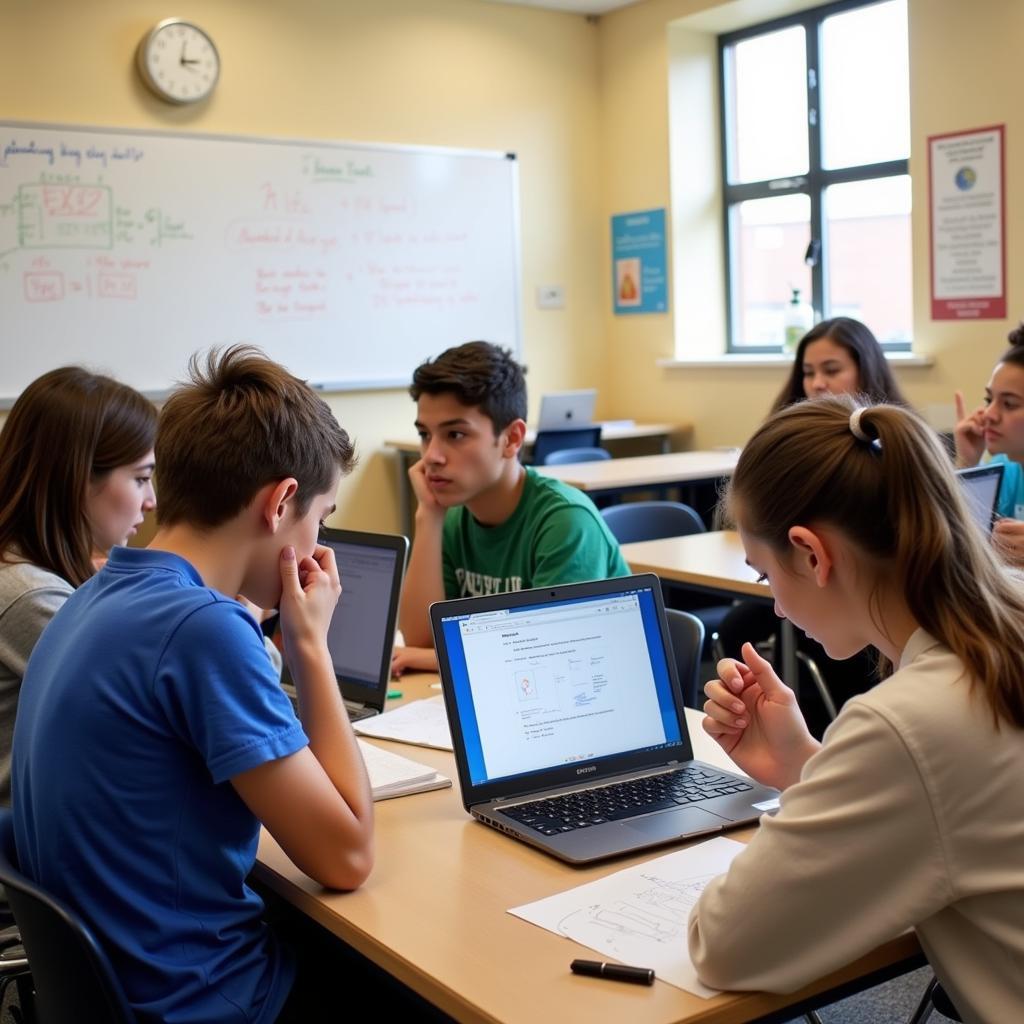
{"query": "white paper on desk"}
{"type": "Point", "coordinates": [639, 915]}
{"type": "Point", "coordinates": [423, 723]}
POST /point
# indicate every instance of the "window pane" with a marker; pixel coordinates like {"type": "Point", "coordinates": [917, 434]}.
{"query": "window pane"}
{"type": "Point", "coordinates": [767, 78]}
{"type": "Point", "coordinates": [770, 238]}
{"type": "Point", "coordinates": [865, 91]}
{"type": "Point", "coordinates": [869, 268]}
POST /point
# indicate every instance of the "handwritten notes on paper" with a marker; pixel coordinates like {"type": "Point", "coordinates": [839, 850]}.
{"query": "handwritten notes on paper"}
{"type": "Point", "coordinates": [639, 915]}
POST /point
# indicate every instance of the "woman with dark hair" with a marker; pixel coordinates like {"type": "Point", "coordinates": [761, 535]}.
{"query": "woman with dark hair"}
{"type": "Point", "coordinates": [997, 426]}
{"type": "Point", "coordinates": [839, 357]}
{"type": "Point", "coordinates": [76, 468]}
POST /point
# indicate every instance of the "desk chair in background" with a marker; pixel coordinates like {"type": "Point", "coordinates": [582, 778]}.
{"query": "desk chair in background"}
{"type": "Point", "coordinates": [686, 632]}
{"type": "Point", "coordinates": [72, 977]}
{"type": "Point", "coordinates": [549, 441]}
{"type": "Point", "coordinates": [565, 456]}
{"type": "Point", "coordinates": [655, 520]}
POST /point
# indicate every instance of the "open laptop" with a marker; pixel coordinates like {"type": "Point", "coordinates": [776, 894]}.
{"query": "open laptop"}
{"type": "Point", "coordinates": [567, 721]}
{"type": "Point", "coordinates": [361, 635]}
{"type": "Point", "coordinates": [981, 489]}
{"type": "Point", "coordinates": [564, 410]}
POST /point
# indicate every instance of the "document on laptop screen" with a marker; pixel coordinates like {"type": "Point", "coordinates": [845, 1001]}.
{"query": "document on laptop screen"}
{"type": "Point", "coordinates": [558, 683]}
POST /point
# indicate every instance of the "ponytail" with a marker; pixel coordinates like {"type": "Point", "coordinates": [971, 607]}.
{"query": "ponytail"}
{"type": "Point", "coordinates": [879, 474]}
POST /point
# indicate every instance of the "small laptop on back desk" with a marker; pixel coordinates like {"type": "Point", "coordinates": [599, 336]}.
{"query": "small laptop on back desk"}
{"type": "Point", "coordinates": [361, 635]}
{"type": "Point", "coordinates": [568, 726]}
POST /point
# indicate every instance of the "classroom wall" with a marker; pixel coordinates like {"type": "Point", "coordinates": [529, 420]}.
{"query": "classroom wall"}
{"type": "Point", "coordinates": [455, 73]}
{"type": "Point", "coordinates": [963, 74]}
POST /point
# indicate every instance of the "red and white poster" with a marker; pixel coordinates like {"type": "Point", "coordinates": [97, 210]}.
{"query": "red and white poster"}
{"type": "Point", "coordinates": [967, 224]}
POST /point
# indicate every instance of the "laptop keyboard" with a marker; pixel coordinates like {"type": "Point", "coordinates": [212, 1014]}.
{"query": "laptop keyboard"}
{"type": "Point", "coordinates": [624, 800]}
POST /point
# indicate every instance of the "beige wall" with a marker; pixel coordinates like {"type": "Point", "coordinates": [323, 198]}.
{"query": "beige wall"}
{"type": "Point", "coordinates": [445, 72]}
{"type": "Point", "coordinates": [963, 74]}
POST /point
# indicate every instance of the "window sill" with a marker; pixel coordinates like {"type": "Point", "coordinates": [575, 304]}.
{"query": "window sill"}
{"type": "Point", "coordinates": [760, 359]}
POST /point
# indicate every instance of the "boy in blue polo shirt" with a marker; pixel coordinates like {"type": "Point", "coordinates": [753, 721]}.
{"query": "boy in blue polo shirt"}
{"type": "Point", "coordinates": [153, 736]}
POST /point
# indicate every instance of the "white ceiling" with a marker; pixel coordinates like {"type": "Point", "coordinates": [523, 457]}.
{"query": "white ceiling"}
{"type": "Point", "coordinates": [575, 6]}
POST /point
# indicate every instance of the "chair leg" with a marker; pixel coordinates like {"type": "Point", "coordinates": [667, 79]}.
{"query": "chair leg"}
{"type": "Point", "coordinates": [925, 1007]}
{"type": "Point", "coordinates": [819, 684]}
{"type": "Point", "coordinates": [812, 1017]}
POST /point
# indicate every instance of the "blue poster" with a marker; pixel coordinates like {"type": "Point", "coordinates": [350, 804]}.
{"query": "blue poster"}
{"type": "Point", "coordinates": [639, 266]}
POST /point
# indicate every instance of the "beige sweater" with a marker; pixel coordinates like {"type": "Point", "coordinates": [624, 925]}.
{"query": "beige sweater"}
{"type": "Point", "coordinates": [911, 815]}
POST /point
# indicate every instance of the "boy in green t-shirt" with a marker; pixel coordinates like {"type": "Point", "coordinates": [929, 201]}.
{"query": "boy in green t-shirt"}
{"type": "Point", "coordinates": [485, 523]}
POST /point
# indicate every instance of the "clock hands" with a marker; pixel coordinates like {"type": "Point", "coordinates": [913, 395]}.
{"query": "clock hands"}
{"type": "Point", "coordinates": [185, 61]}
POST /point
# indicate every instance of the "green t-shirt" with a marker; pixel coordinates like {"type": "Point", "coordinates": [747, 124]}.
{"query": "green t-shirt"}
{"type": "Point", "coordinates": [555, 535]}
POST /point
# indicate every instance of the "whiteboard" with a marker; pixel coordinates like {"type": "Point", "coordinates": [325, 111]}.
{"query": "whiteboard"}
{"type": "Point", "coordinates": [349, 263]}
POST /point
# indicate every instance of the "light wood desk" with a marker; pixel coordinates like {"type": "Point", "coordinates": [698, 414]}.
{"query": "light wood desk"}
{"type": "Point", "coordinates": [712, 563]}
{"type": "Point", "coordinates": [645, 471]}
{"type": "Point", "coordinates": [433, 915]}
{"type": "Point", "coordinates": [618, 436]}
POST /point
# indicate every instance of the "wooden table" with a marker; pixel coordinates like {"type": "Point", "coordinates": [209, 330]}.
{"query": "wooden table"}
{"type": "Point", "coordinates": [433, 914]}
{"type": "Point", "coordinates": [711, 563]}
{"type": "Point", "coordinates": [620, 437]}
{"type": "Point", "coordinates": [614, 477]}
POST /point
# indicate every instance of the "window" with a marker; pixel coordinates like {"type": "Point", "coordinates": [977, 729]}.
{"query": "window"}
{"type": "Point", "coordinates": [815, 142]}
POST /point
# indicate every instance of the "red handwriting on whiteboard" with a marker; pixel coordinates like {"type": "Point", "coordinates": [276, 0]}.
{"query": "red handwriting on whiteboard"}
{"type": "Point", "coordinates": [116, 286]}
{"type": "Point", "coordinates": [71, 200]}
{"type": "Point", "coordinates": [43, 286]}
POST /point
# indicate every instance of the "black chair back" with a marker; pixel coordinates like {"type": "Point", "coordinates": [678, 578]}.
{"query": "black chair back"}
{"type": "Point", "coordinates": [73, 980]}
{"type": "Point", "coordinates": [549, 441]}
{"type": "Point", "coordinates": [686, 632]}
{"type": "Point", "coordinates": [651, 520]}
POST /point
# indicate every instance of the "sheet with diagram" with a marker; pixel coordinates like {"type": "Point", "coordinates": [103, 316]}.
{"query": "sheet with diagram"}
{"type": "Point", "coordinates": [639, 915]}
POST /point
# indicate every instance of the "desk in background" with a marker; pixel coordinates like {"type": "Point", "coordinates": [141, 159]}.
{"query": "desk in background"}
{"type": "Point", "coordinates": [711, 563]}
{"type": "Point", "coordinates": [621, 437]}
{"type": "Point", "coordinates": [433, 915]}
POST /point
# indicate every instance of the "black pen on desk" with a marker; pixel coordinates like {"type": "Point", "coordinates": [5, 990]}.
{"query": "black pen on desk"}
{"type": "Point", "coordinates": [614, 972]}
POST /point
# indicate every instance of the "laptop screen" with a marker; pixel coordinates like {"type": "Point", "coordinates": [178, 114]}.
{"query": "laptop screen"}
{"type": "Point", "coordinates": [981, 489]}
{"type": "Point", "coordinates": [361, 634]}
{"type": "Point", "coordinates": [544, 685]}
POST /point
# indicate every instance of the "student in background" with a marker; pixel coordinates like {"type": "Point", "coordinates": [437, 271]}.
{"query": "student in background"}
{"type": "Point", "coordinates": [76, 478]}
{"type": "Point", "coordinates": [997, 426]}
{"type": "Point", "coordinates": [153, 736]}
{"type": "Point", "coordinates": [486, 524]}
{"type": "Point", "coordinates": [911, 813]}
{"type": "Point", "coordinates": [839, 357]}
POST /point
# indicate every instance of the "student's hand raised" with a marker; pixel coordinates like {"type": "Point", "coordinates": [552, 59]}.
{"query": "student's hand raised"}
{"type": "Point", "coordinates": [969, 432]}
{"type": "Point", "coordinates": [1008, 540]}
{"type": "Point", "coordinates": [309, 593]}
{"type": "Point", "coordinates": [755, 719]}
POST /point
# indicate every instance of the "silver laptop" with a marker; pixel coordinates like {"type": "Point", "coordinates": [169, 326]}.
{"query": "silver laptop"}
{"type": "Point", "coordinates": [564, 410]}
{"type": "Point", "coordinates": [361, 635]}
{"type": "Point", "coordinates": [981, 489]}
{"type": "Point", "coordinates": [567, 722]}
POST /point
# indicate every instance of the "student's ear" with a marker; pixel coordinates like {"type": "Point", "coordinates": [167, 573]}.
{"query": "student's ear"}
{"type": "Point", "coordinates": [515, 437]}
{"type": "Point", "coordinates": [273, 501]}
{"type": "Point", "coordinates": [810, 553]}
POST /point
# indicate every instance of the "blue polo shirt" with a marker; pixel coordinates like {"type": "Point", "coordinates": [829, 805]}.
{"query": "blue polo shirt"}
{"type": "Point", "coordinates": [143, 697]}
{"type": "Point", "coordinates": [1011, 490]}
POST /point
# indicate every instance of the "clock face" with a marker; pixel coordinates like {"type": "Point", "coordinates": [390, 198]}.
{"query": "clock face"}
{"type": "Point", "coordinates": [178, 61]}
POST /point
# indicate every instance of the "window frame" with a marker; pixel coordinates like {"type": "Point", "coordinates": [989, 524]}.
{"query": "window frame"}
{"type": "Point", "coordinates": [811, 184]}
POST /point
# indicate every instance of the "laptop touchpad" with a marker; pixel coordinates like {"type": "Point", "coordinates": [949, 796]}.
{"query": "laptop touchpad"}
{"type": "Point", "coordinates": [670, 824]}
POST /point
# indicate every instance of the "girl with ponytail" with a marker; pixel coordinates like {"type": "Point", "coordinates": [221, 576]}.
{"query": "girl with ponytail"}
{"type": "Point", "coordinates": [910, 813]}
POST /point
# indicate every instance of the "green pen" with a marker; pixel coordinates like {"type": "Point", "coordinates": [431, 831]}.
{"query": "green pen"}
{"type": "Point", "coordinates": [393, 694]}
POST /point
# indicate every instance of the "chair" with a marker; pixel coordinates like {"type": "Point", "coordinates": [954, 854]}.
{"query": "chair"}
{"type": "Point", "coordinates": [567, 455]}
{"type": "Point", "coordinates": [935, 998]}
{"type": "Point", "coordinates": [73, 980]}
{"type": "Point", "coordinates": [651, 520]}
{"type": "Point", "coordinates": [549, 441]}
{"type": "Point", "coordinates": [686, 632]}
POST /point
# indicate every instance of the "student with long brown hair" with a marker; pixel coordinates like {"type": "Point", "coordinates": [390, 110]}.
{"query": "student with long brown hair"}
{"type": "Point", "coordinates": [76, 467]}
{"type": "Point", "coordinates": [911, 812]}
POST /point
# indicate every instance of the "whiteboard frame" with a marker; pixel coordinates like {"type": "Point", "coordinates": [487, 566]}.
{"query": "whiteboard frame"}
{"type": "Point", "coordinates": [329, 386]}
